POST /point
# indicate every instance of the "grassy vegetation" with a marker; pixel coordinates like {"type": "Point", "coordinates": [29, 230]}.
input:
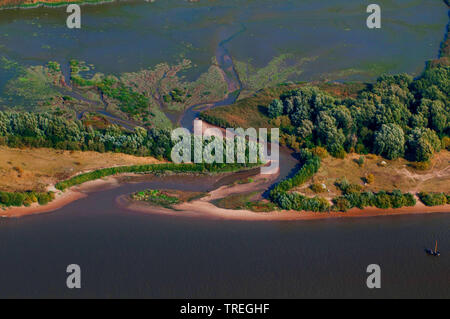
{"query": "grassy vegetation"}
{"type": "Point", "coordinates": [245, 181]}
{"type": "Point", "coordinates": [130, 102]}
{"type": "Point", "coordinates": [375, 177]}
{"type": "Point", "coordinates": [156, 197]}
{"type": "Point", "coordinates": [26, 169]}
{"type": "Point", "coordinates": [249, 112]}
{"type": "Point", "coordinates": [244, 201]}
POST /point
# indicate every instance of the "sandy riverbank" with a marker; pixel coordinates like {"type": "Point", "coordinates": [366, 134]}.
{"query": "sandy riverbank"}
{"type": "Point", "coordinates": [61, 200]}
{"type": "Point", "coordinates": [75, 193]}
{"type": "Point", "coordinates": [203, 208]}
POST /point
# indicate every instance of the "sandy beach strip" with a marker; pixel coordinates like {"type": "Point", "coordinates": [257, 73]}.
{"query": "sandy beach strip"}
{"type": "Point", "coordinates": [205, 209]}
{"type": "Point", "coordinates": [61, 199]}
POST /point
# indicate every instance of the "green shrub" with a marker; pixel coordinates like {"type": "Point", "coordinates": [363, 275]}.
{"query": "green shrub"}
{"type": "Point", "coordinates": [433, 199]}
{"type": "Point", "coordinates": [280, 196]}
{"type": "Point", "coordinates": [348, 188]}
{"type": "Point", "coordinates": [341, 204]}
{"type": "Point", "coordinates": [319, 151]}
{"type": "Point", "coordinates": [318, 188]}
{"type": "Point", "coordinates": [18, 199]}
{"type": "Point", "coordinates": [421, 166]}
{"type": "Point", "coordinates": [394, 199]}
{"type": "Point", "coordinates": [370, 178]}
{"type": "Point", "coordinates": [360, 161]}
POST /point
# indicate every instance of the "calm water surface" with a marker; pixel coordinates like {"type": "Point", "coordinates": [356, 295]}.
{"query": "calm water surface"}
{"type": "Point", "coordinates": [128, 254]}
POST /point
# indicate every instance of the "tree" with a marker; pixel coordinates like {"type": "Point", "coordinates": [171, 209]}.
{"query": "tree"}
{"type": "Point", "coordinates": [422, 143]}
{"type": "Point", "coordinates": [423, 151]}
{"type": "Point", "coordinates": [439, 118]}
{"type": "Point", "coordinates": [301, 112]}
{"type": "Point", "coordinates": [305, 129]}
{"type": "Point", "coordinates": [343, 117]}
{"type": "Point", "coordinates": [288, 106]}
{"type": "Point", "coordinates": [390, 141]}
{"type": "Point", "coordinates": [275, 109]}
{"type": "Point", "coordinates": [328, 133]}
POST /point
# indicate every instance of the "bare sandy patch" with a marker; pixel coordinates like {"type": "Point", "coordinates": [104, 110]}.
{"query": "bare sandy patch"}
{"type": "Point", "coordinates": [35, 169]}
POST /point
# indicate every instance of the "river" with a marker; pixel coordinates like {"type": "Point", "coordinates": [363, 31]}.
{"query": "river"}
{"type": "Point", "coordinates": [123, 253]}
{"type": "Point", "coordinates": [128, 254]}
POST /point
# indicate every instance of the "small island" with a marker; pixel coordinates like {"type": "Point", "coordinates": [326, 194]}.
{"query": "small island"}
{"type": "Point", "coordinates": [165, 198]}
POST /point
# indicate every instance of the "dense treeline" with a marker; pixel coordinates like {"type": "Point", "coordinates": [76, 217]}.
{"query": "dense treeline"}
{"type": "Point", "coordinates": [309, 168]}
{"type": "Point", "coordinates": [395, 117]}
{"type": "Point", "coordinates": [152, 168]}
{"type": "Point", "coordinates": [47, 130]}
{"type": "Point", "coordinates": [299, 202]}
{"type": "Point", "coordinates": [434, 199]}
{"type": "Point", "coordinates": [285, 200]}
{"type": "Point", "coordinates": [25, 198]}
{"type": "Point", "coordinates": [382, 199]}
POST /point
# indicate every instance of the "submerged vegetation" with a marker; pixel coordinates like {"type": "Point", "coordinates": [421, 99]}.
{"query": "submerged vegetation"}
{"type": "Point", "coordinates": [145, 95]}
{"type": "Point", "coordinates": [32, 86]}
{"type": "Point", "coordinates": [281, 69]}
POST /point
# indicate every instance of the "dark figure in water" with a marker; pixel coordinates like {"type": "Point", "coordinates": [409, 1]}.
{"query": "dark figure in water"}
{"type": "Point", "coordinates": [433, 253]}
